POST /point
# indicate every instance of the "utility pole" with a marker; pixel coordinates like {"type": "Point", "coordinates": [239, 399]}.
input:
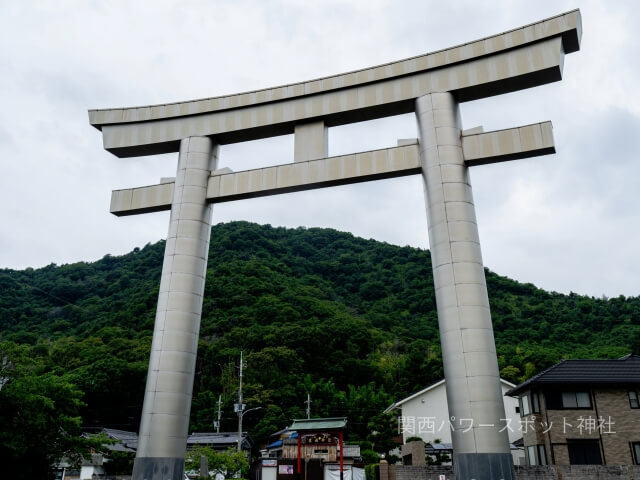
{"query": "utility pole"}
{"type": "Point", "coordinates": [5, 366]}
{"type": "Point", "coordinates": [308, 402]}
{"type": "Point", "coordinates": [239, 407]}
{"type": "Point", "coordinates": [217, 422]}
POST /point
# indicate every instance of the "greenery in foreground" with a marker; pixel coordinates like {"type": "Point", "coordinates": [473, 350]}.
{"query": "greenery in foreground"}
{"type": "Point", "coordinates": [230, 463]}
{"type": "Point", "coordinates": [348, 320]}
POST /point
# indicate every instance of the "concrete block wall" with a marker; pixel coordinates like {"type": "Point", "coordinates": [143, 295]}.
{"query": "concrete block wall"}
{"type": "Point", "coordinates": [430, 472]}
{"type": "Point", "coordinates": [413, 453]}
{"type": "Point", "coordinates": [536, 472]}
{"type": "Point", "coordinates": [595, 472]}
{"type": "Point", "coordinates": [526, 472]}
{"type": "Point", "coordinates": [387, 472]}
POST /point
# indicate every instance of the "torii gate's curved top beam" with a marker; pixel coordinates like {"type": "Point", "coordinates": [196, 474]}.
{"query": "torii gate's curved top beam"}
{"type": "Point", "coordinates": [521, 58]}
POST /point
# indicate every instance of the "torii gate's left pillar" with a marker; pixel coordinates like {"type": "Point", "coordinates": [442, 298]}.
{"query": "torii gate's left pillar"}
{"type": "Point", "coordinates": [167, 399]}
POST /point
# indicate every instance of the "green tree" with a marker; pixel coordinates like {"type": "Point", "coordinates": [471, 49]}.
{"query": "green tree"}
{"type": "Point", "coordinates": [383, 429]}
{"type": "Point", "coordinates": [369, 456]}
{"type": "Point", "coordinates": [120, 463]}
{"type": "Point", "coordinates": [228, 463]}
{"type": "Point", "coordinates": [41, 425]}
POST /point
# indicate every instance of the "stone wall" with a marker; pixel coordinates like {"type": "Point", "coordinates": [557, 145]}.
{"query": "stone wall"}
{"type": "Point", "coordinates": [413, 453]}
{"type": "Point", "coordinates": [523, 472]}
{"type": "Point", "coordinates": [423, 472]}
{"type": "Point", "coordinates": [598, 472]}
{"type": "Point", "coordinates": [536, 472]}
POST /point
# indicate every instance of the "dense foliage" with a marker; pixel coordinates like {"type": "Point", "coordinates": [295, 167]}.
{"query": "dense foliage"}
{"type": "Point", "coordinates": [348, 320]}
{"type": "Point", "coordinates": [40, 412]}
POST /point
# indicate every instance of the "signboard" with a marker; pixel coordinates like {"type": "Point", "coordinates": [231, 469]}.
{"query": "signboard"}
{"type": "Point", "coordinates": [319, 438]}
{"type": "Point", "coordinates": [285, 469]}
{"type": "Point", "coordinates": [270, 462]}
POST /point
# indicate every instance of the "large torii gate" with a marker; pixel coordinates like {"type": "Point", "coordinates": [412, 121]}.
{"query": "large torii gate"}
{"type": "Point", "coordinates": [430, 85]}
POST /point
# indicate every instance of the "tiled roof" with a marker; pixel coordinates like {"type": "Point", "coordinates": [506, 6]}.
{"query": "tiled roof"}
{"type": "Point", "coordinates": [129, 440]}
{"type": "Point", "coordinates": [622, 371]}
{"type": "Point", "coordinates": [277, 443]}
{"type": "Point", "coordinates": [286, 435]}
{"type": "Point", "coordinates": [223, 438]}
{"type": "Point", "coordinates": [304, 424]}
{"type": "Point", "coordinates": [120, 434]}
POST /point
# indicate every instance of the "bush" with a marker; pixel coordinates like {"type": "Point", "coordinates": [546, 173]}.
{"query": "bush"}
{"type": "Point", "coordinates": [369, 456]}
{"type": "Point", "coordinates": [372, 471]}
{"type": "Point", "coordinates": [227, 463]}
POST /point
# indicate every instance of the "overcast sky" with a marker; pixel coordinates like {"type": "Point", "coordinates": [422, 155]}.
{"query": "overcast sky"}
{"type": "Point", "coordinates": [565, 222]}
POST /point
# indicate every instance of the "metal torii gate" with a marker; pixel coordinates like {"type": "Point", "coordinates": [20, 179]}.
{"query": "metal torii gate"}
{"type": "Point", "coordinates": [430, 85]}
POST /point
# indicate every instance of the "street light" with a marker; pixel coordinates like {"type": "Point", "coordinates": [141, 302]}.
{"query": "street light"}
{"type": "Point", "coordinates": [239, 407]}
{"type": "Point", "coordinates": [242, 413]}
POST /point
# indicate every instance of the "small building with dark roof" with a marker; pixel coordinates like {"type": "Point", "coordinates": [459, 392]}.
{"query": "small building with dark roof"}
{"type": "Point", "coordinates": [582, 412]}
{"type": "Point", "coordinates": [128, 441]}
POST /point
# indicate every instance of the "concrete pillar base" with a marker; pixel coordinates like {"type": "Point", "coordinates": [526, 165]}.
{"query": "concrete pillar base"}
{"type": "Point", "coordinates": [158, 468]}
{"type": "Point", "coordinates": [483, 466]}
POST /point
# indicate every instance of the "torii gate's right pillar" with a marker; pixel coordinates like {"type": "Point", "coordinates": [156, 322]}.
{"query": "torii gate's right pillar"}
{"type": "Point", "coordinates": [476, 407]}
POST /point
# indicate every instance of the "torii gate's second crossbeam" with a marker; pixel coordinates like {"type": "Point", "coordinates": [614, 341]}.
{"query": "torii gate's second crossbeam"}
{"type": "Point", "coordinates": [431, 86]}
{"type": "Point", "coordinates": [224, 185]}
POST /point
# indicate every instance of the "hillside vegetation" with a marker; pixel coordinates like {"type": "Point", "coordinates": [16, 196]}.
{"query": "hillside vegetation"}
{"type": "Point", "coordinates": [351, 321]}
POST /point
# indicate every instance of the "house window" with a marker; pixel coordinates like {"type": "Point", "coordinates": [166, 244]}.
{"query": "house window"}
{"type": "Point", "coordinates": [635, 449]}
{"type": "Point", "coordinates": [531, 453]}
{"type": "Point", "coordinates": [542, 454]}
{"type": "Point", "coordinates": [526, 409]}
{"type": "Point", "coordinates": [633, 399]}
{"type": "Point", "coordinates": [584, 452]}
{"type": "Point", "coordinates": [568, 400]}
{"type": "Point", "coordinates": [535, 402]}
{"type": "Point", "coordinates": [537, 455]}
{"type": "Point", "coordinates": [530, 404]}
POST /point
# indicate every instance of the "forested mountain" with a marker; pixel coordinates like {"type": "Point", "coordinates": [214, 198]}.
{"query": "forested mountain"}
{"type": "Point", "coordinates": [351, 321]}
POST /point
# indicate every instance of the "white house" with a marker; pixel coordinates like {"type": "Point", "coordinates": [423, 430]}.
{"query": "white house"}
{"type": "Point", "coordinates": [425, 414]}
